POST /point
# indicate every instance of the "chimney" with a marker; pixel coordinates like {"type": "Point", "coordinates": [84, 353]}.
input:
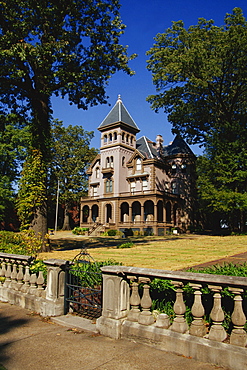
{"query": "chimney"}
{"type": "Point", "coordinates": [159, 145]}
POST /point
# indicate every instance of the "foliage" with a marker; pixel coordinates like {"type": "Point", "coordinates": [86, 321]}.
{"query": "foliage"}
{"type": "Point", "coordinates": [38, 265]}
{"type": "Point", "coordinates": [112, 232]}
{"type": "Point", "coordinates": [89, 274]}
{"type": "Point", "coordinates": [229, 269]}
{"type": "Point", "coordinates": [25, 243]}
{"type": "Point", "coordinates": [200, 76]}
{"type": "Point", "coordinates": [13, 140]}
{"type": "Point", "coordinates": [126, 245]}
{"type": "Point", "coordinates": [63, 48]}
{"type": "Point", "coordinates": [32, 193]}
{"type": "Point", "coordinates": [80, 230]}
{"type": "Point", "coordinates": [71, 156]}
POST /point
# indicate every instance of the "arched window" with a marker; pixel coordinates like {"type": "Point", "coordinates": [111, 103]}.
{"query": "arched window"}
{"type": "Point", "coordinates": [97, 173]}
{"type": "Point", "coordinates": [111, 161]}
{"type": "Point", "coordinates": [115, 136]}
{"type": "Point", "coordinates": [138, 164]}
{"type": "Point", "coordinates": [174, 168]}
{"type": "Point", "coordinates": [123, 161]}
{"type": "Point", "coordinates": [123, 136]}
{"type": "Point", "coordinates": [107, 162]}
{"type": "Point", "coordinates": [110, 137]}
{"type": "Point", "coordinates": [127, 138]}
{"type": "Point", "coordinates": [131, 140]}
{"type": "Point", "coordinates": [105, 139]}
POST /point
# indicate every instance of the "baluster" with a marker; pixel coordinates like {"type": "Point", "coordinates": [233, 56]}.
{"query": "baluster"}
{"type": "Point", "coordinates": [20, 276]}
{"type": "Point", "coordinates": [40, 281]}
{"type": "Point", "coordinates": [2, 271]}
{"type": "Point", "coordinates": [217, 332]}
{"type": "Point", "coordinates": [197, 326]}
{"type": "Point", "coordinates": [13, 275]}
{"type": "Point", "coordinates": [238, 335]}
{"type": "Point", "coordinates": [145, 317]}
{"type": "Point", "coordinates": [26, 279]}
{"type": "Point", "coordinates": [135, 300]}
{"type": "Point", "coordinates": [179, 323]}
{"type": "Point", "coordinates": [162, 321]}
{"type": "Point", "coordinates": [7, 275]}
{"type": "Point", "coordinates": [33, 287]}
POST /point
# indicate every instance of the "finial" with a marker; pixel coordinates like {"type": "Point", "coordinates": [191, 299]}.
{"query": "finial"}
{"type": "Point", "coordinates": [119, 97]}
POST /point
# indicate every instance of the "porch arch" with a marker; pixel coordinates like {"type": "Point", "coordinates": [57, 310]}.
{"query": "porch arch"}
{"type": "Point", "coordinates": [148, 210]}
{"type": "Point", "coordinates": [136, 211]}
{"type": "Point", "coordinates": [160, 211]}
{"type": "Point", "coordinates": [124, 212]}
{"type": "Point", "coordinates": [85, 214]}
{"type": "Point", "coordinates": [95, 212]}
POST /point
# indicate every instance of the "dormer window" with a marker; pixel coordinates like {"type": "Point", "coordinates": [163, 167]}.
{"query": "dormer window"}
{"type": "Point", "coordinates": [138, 164]}
{"type": "Point", "coordinates": [97, 173]}
{"type": "Point", "coordinates": [183, 167]}
{"type": "Point", "coordinates": [174, 168]}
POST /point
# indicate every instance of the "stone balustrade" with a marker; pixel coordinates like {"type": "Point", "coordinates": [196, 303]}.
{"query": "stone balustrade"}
{"type": "Point", "coordinates": [29, 290]}
{"type": "Point", "coordinates": [127, 314]}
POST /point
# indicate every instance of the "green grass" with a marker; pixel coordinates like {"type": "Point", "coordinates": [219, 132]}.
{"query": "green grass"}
{"type": "Point", "coordinates": [167, 253]}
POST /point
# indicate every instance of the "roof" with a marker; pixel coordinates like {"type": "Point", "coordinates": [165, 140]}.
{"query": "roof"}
{"type": "Point", "coordinates": [119, 114]}
{"type": "Point", "coordinates": [178, 146]}
{"type": "Point", "coordinates": [148, 149]}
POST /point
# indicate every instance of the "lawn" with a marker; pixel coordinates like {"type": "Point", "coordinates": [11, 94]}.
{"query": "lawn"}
{"type": "Point", "coordinates": [168, 253]}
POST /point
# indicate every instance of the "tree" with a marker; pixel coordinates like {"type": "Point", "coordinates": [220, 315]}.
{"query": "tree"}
{"type": "Point", "coordinates": [71, 156]}
{"type": "Point", "coordinates": [200, 76]}
{"type": "Point", "coordinates": [13, 142]}
{"type": "Point", "coordinates": [67, 48]}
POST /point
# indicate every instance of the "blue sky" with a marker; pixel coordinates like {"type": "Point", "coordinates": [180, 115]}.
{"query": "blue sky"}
{"type": "Point", "coordinates": [144, 19]}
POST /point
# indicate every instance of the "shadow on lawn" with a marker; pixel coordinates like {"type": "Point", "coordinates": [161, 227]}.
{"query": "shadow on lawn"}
{"type": "Point", "coordinates": [64, 244]}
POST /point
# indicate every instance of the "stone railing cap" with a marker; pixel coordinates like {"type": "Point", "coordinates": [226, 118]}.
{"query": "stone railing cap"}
{"type": "Point", "coordinates": [177, 275]}
{"type": "Point", "coordinates": [56, 262]}
{"type": "Point", "coordinates": [19, 257]}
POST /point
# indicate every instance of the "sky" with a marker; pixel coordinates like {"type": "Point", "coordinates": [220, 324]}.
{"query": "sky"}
{"type": "Point", "coordinates": [143, 20]}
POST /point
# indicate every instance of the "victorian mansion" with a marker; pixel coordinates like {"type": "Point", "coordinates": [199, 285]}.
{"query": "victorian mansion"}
{"type": "Point", "coordinates": [138, 184]}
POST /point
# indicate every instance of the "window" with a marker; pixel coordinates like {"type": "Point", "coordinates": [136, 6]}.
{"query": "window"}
{"type": "Point", "coordinates": [132, 187]}
{"type": "Point", "coordinates": [123, 161]}
{"type": "Point", "coordinates": [97, 173]}
{"type": "Point", "coordinates": [115, 136]}
{"type": "Point", "coordinates": [123, 136]}
{"type": "Point", "coordinates": [95, 191]}
{"type": "Point", "coordinates": [105, 139]}
{"type": "Point", "coordinates": [127, 138]}
{"type": "Point", "coordinates": [110, 137]}
{"type": "Point", "coordinates": [174, 168]}
{"type": "Point", "coordinates": [107, 162]}
{"type": "Point", "coordinates": [144, 185]}
{"type": "Point", "coordinates": [138, 164]}
{"type": "Point", "coordinates": [108, 186]}
{"type": "Point", "coordinates": [183, 167]}
{"type": "Point", "coordinates": [111, 162]}
{"type": "Point", "coordinates": [174, 188]}
{"type": "Point", "coordinates": [131, 140]}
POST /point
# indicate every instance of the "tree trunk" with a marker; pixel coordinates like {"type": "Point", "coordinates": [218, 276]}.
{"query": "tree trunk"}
{"type": "Point", "coordinates": [40, 129]}
{"type": "Point", "coordinates": [66, 224]}
{"type": "Point", "coordinates": [39, 226]}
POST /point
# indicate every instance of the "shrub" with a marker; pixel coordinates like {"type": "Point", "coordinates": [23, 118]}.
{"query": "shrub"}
{"type": "Point", "coordinates": [80, 230]}
{"type": "Point", "coordinates": [24, 242]}
{"type": "Point", "coordinates": [112, 232]}
{"type": "Point", "coordinates": [126, 245]}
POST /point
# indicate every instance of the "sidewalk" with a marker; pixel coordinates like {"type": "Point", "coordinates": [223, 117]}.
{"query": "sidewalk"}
{"type": "Point", "coordinates": [28, 341]}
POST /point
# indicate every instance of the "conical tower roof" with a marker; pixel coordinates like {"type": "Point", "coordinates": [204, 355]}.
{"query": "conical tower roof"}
{"type": "Point", "coordinates": [118, 114]}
